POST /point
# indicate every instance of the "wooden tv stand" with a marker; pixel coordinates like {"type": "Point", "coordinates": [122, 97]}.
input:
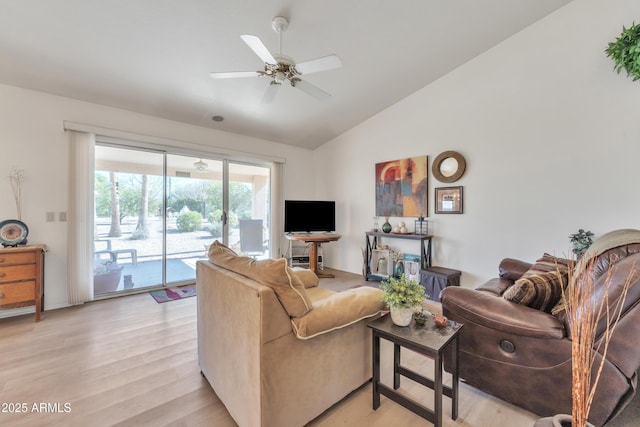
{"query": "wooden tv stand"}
{"type": "Point", "coordinates": [315, 239]}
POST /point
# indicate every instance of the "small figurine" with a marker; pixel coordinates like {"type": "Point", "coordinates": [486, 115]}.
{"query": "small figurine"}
{"type": "Point", "coordinates": [440, 320]}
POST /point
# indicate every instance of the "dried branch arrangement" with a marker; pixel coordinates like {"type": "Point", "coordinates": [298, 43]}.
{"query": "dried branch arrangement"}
{"type": "Point", "coordinates": [583, 316]}
{"type": "Point", "coordinates": [15, 178]}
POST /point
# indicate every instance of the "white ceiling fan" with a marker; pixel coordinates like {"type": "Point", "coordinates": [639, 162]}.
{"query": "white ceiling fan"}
{"type": "Point", "coordinates": [280, 68]}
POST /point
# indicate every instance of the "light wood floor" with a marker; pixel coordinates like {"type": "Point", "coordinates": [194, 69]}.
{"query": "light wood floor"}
{"type": "Point", "coordinates": [133, 362]}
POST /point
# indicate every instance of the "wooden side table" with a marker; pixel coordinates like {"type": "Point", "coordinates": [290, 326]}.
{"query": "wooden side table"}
{"type": "Point", "coordinates": [315, 239]}
{"type": "Point", "coordinates": [22, 277]}
{"type": "Point", "coordinates": [428, 340]}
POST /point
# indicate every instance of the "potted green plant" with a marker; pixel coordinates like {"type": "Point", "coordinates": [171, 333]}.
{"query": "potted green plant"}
{"type": "Point", "coordinates": [581, 241]}
{"type": "Point", "coordinates": [625, 51]}
{"type": "Point", "coordinates": [106, 276]}
{"type": "Point", "coordinates": [403, 296]}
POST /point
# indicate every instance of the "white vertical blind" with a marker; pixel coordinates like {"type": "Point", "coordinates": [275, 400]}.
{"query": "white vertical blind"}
{"type": "Point", "coordinates": [277, 214]}
{"type": "Point", "coordinates": [81, 216]}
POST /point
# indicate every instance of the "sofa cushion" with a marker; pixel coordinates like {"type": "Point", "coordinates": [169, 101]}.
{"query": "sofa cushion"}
{"type": "Point", "coordinates": [270, 272]}
{"type": "Point", "coordinates": [338, 311]}
{"type": "Point", "coordinates": [541, 286]}
{"type": "Point", "coordinates": [305, 277]}
{"type": "Point", "coordinates": [317, 293]}
{"type": "Point", "coordinates": [540, 291]}
{"type": "Point", "coordinates": [495, 286]}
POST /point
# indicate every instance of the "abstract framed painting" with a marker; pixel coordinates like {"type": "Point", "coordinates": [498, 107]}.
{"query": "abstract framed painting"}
{"type": "Point", "coordinates": [401, 187]}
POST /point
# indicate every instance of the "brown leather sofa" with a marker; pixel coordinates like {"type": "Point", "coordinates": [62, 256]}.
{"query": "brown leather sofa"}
{"type": "Point", "coordinates": [523, 355]}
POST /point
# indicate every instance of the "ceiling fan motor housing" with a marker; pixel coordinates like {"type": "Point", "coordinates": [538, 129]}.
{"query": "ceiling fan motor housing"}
{"type": "Point", "coordinates": [279, 24]}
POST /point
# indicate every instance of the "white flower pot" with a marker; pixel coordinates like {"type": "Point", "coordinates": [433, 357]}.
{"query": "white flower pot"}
{"type": "Point", "coordinates": [401, 316]}
{"type": "Point", "coordinates": [559, 420]}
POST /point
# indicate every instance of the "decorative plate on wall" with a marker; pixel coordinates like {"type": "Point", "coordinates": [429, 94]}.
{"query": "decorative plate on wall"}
{"type": "Point", "coordinates": [13, 232]}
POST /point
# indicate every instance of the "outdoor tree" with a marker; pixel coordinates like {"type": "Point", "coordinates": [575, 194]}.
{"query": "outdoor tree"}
{"type": "Point", "coordinates": [130, 191]}
{"type": "Point", "coordinates": [142, 231]}
{"type": "Point", "coordinates": [102, 195]}
{"type": "Point", "coordinates": [115, 230]}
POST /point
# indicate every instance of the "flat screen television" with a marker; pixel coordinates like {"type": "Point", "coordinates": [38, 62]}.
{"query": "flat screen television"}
{"type": "Point", "coordinates": [309, 215]}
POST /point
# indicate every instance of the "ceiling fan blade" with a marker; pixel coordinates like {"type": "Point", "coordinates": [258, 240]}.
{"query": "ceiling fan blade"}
{"type": "Point", "coordinates": [235, 74]}
{"type": "Point", "coordinates": [321, 64]}
{"type": "Point", "coordinates": [270, 93]}
{"type": "Point", "coordinates": [310, 89]}
{"type": "Point", "coordinates": [259, 48]}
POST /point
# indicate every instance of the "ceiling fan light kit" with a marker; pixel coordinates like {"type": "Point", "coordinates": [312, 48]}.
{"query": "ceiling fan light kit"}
{"type": "Point", "coordinates": [201, 166]}
{"type": "Point", "coordinates": [280, 68]}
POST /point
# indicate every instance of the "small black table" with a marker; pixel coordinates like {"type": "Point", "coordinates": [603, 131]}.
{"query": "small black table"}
{"type": "Point", "coordinates": [428, 340]}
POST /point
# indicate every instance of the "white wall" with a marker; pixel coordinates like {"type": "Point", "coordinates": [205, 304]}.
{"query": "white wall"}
{"type": "Point", "coordinates": [550, 133]}
{"type": "Point", "coordinates": [32, 138]}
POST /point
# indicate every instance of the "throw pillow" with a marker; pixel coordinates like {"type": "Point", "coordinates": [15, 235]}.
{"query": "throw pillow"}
{"type": "Point", "coordinates": [217, 248]}
{"type": "Point", "coordinates": [305, 277]}
{"type": "Point", "coordinates": [539, 291]}
{"type": "Point", "coordinates": [541, 286]}
{"type": "Point", "coordinates": [270, 272]}
{"type": "Point", "coordinates": [548, 263]}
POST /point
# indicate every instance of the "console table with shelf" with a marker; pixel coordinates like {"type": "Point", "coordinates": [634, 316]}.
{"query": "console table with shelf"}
{"type": "Point", "coordinates": [372, 243]}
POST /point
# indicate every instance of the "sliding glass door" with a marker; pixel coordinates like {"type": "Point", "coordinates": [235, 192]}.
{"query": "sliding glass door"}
{"type": "Point", "coordinates": [193, 203]}
{"type": "Point", "coordinates": [128, 233]}
{"type": "Point", "coordinates": [156, 213]}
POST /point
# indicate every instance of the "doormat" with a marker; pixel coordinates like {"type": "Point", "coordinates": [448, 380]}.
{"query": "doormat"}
{"type": "Point", "coordinates": [172, 294]}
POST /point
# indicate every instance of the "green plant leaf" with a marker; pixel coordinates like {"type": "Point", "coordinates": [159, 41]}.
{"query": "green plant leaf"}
{"type": "Point", "coordinates": [625, 51]}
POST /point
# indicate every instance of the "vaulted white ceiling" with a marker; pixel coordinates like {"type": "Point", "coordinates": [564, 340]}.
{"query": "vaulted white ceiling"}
{"type": "Point", "coordinates": [155, 56]}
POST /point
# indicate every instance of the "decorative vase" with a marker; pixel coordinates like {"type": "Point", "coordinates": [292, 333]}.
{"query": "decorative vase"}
{"type": "Point", "coordinates": [399, 269]}
{"type": "Point", "coordinates": [386, 227]}
{"type": "Point", "coordinates": [382, 266]}
{"type": "Point", "coordinates": [420, 318]}
{"type": "Point", "coordinates": [401, 316]}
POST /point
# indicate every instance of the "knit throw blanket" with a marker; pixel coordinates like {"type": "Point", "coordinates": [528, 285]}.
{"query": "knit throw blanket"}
{"type": "Point", "coordinates": [610, 240]}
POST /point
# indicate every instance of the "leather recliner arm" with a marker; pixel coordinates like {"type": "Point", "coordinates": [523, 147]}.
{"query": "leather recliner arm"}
{"type": "Point", "coordinates": [513, 269]}
{"type": "Point", "coordinates": [463, 304]}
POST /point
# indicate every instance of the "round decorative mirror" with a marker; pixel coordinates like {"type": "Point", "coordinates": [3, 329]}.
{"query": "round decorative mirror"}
{"type": "Point", "coordinates": [448, 166]}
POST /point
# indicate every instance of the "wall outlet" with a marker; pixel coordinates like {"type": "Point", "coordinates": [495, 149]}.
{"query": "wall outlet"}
{"type": "Point", "coordinates": [51, 216]}
{"type": "Point", "coordinates": [62, 216]}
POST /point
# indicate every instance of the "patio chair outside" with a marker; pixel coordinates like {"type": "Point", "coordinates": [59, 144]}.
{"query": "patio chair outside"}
{"type": "Point", "coordinates": [113, 254]}
{"type": "Point", "coordinates": [252, 237]}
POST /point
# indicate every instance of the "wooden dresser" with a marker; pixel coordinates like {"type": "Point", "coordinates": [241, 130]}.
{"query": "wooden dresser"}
{"type": "Point", "coordinates": [22, 277]}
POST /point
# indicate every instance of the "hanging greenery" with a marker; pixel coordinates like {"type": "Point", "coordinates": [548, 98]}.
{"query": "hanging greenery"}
{"type": "Point", "coordinates": [625, 51]}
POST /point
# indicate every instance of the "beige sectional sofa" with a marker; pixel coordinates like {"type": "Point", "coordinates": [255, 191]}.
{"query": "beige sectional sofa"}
{"type": "Point", "coordinates": [277, 350]}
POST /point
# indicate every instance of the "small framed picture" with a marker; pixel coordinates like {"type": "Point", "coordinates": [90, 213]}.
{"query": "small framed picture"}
{"type": "Point", "coordinates": [412, 266]}
{"type": "Point", "coordinates": [448, 200]}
